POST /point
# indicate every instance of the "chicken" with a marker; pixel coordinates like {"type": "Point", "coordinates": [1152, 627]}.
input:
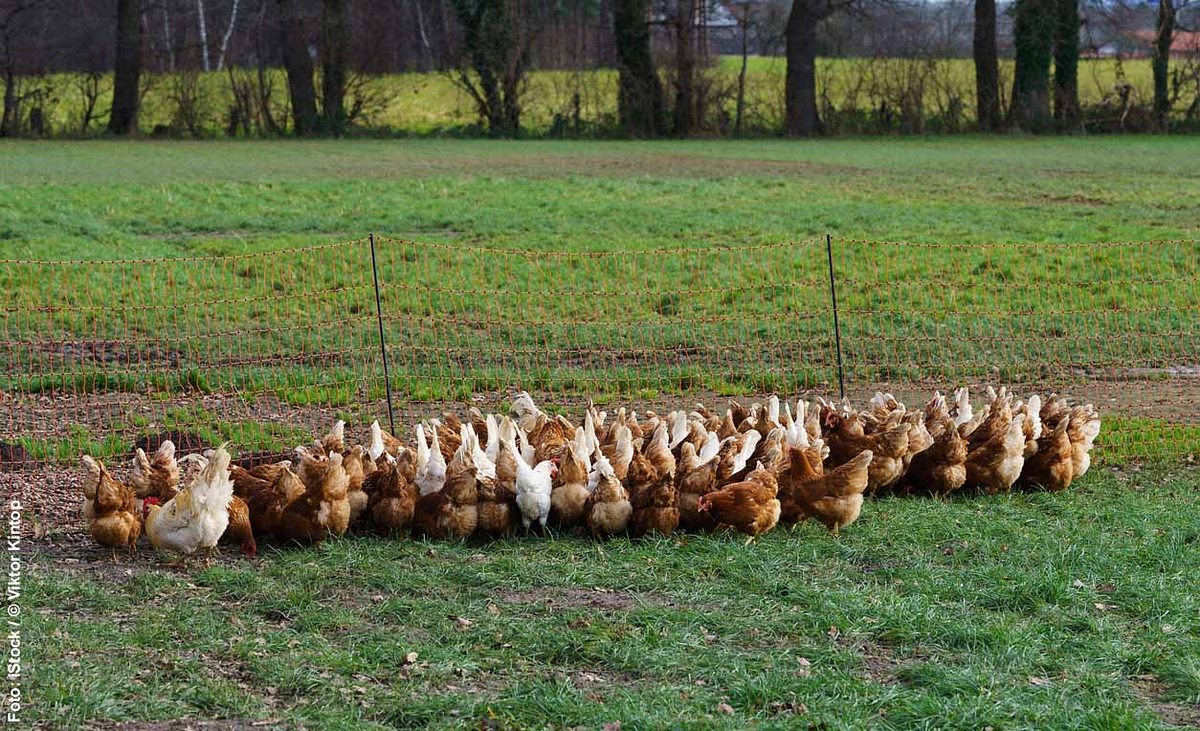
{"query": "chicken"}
{"type": "Point", "coordinates": [353, 464]}
{"type": "Point", "coordinates": [941, 469]}
{"type": "Point", "coordinates": [334, 441]}
{"type": "Point", "coordinates": [113, 521]}
{"type": "Point", "coordinates": [835, 497]}
{"type": "Point", "coordinates": [240, 529]}
{"type": "Point", "coordinates": [619, 451]}
{"type": "Point", "coordinates": [266, 500]}
{"type": "Point", "coordinates": [451, 512]}
{"type": "Point", "coordinates": [431, 465]}
{"type": "Point", "coordinates": [996, 464]}
{"type": "Point", "coordinates": [1051, 466]}
{"type": "Point", "coordinates": [750, 507]}
{"type": "Point", "coordinates": [1084, 428]}
{"type": "Point", "coordinates": [1033, 424]}
{"type": "Point", "coordinates": [393, 494]}
{"type": "Point", "coordinates": [156, 476]}
{"type": "Point", "coordinates": [655, 507]}
{"type": "Point", "coordinates": [658, 452]}
{"type": "Point", "coordinates": [570, 493]}
{"type": "Point", "coordinates": [382, 441]}
{"type": "Point", "coordinates": [607, 510]}
{"type": "Point", "coordinates": [697, 476]}
{"type": "Point", "coordinates": [846, 441]}
{"type": "Point", "coordinates": [323, 510]}
{"type": "Point", "coordinates": [497, 508]}
{"type": "Point", "coordinates": [195, 519]}
{"type": "Point", "coordinates": [531, 485]}
{"type": "Point", "coordinates": [735, 454]}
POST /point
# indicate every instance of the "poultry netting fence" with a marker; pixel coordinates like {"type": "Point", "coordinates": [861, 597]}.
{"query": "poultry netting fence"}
{"type": "Point", "coordinates": [263, 349]}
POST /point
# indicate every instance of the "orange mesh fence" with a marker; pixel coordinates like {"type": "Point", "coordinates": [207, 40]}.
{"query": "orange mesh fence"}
{"type": "Point", "coordinates": [1113, 324]}
{"type": "Point", "coordinates": [266, 349]}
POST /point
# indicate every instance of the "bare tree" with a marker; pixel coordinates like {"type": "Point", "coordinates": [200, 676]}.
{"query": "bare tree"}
{"type": "Point", "coordinates": [800, 85]}
{"type": "Point", "coordinates": [497, 36]}
{"type": "Point", "coordinates": [1033, 38]}
{"type": "Point", "coordinates": [1066, 63]}
{"type": "Point", "coordinates": [299, 67]}
{"type": "Point", "coordinates": [1164, 35]}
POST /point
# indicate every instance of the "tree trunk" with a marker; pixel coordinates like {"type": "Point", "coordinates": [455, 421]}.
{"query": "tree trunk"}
{"type": "Point", "coordinates": [1066, 64]}
{"type": "Point", "coordinates": [987, 67]}
{"type": "Point", "coordinates": [233, 16]}
{"type": "Point", "coordinates": [1164, 33]}
{"type": "Point", "coordinates": [685, 68]}
{"type": "Point", "coordinates": [122, 120]}
{"type": "Point", "coordinates": [8, 122]}
{"type": "Point", "coordinates": [299, 67]}
{"type": "Point", "coordinates": [202, 29]}
{"type": "Point", "coordinates": [800, 92]}
{"type": "Point", "coordinates": [1033, 38]}
{"type": "Point", "coordinates": [333, 66]}
{"type": "Point", "coordinates": [741, 86]}
{"type": "Point", "coordinates": [640, 96]}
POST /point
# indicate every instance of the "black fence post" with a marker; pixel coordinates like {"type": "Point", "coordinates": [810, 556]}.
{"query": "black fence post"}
{"type": "Point", "coordinates": [387, 376]}
{"type": "Point", "coordinates": [837, 330]}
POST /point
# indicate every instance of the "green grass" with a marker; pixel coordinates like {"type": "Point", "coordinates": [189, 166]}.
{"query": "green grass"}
{"type": "Point", "coordinates": [1074, 610]}
{"type": "Point", "coordinates": [463, 318]}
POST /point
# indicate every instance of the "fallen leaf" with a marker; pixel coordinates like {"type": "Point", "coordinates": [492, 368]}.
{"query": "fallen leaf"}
{"type": "Point", "coordinates": [1104, 607]}
{"type": "Point", "coordinates": [410, 658]}
{"type": "Point", "coordinates": [581, 623]}
{"type": "Point", "coordinates": [1039, 682]}
{"type": "Point", "coordinates": [834, 633]}
{"type": "Point", "coordinates": [462, 622]}
{"type": "Point", "coordinates": [1078, 584]}
{"type": "Point", "coordinates": [493, 609]}
{"type": "Point", "coordinates": [725, 708]}
{"type": "Point", "coordinates": [377, 598]}
{"type": "Point", "coordinates": [803, 671]}
{"type": "Point", "coordinates": [612, 726]}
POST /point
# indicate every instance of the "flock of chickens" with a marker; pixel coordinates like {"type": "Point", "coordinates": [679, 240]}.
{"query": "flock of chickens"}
{"type": "Point", "coordinates": [747, 469]}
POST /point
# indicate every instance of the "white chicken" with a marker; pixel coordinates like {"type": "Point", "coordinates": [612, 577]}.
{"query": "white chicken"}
{"type": "Point", "coordinates": [532, 485]}
{"type": "Point", "coordinates": [196, 518]}
{"type": "Point", "coordinates": [431, 465]}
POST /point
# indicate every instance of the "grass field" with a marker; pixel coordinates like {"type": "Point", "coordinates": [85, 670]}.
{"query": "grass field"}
{"type": "Point", "coordinates": [939, 91]}
{"type": "Point", "coordinates": [1076, 610]}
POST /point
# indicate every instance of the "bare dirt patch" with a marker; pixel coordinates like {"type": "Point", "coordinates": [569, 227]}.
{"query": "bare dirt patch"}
{"type": "Point", "coordinates": [602, 599]}
{"type": "Point", "coordinates": [1151, 691]}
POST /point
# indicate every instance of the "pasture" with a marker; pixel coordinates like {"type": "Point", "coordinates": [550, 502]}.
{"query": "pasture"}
{"type": "Point", "coordinates": [1071, 610]}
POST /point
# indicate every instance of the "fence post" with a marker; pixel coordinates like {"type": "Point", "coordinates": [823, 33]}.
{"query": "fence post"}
{"type": "Point", "coordinates": [387, 376]}
{"type": "Point", "coordinates": [837, 330]}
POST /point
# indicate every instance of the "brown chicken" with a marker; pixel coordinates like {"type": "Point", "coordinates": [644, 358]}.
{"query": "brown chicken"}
{"type": "Point", "coordinates": [619, 452]}
{"type": "Point", "coordinates": [570, 494]}
{"type": "Point", "coordinates": [356, 474]}
{"type": "Point", "coordinates": [996, 464]}
{"type": "Point", "coordinates": [115, 521]}
{"type": "Point", "coordinates": [323, 510]}
{"type": "Point", "coordinates": [655, 510]}
{"type": "Point", "coordinates": [607, 510]}
{"type": "Point", "coordinates": [156, 476]}
{"type": "Point", "coordinates": [267, 499]}
{"type": "Point", "coordinates": [240, 529]}
{"type": "Point", "coordinates": [750, 507]}
{"type": "Point", "coordinates": [452, 512]}
{"type": "Point", "coordinates": [497, 508]}
{"type": "Point", "coordinates": [846, 441]}
{"type": "Point", "coordinates": [393, 494]}
{"type": "Point", "coordinates": [834, 498]}
{"type": "Point", "coordinates": [941, 469]}
{"type": "Point", "coordinates": [1051, 466]}
{"type": "Point", "coordinates": [697, 476]}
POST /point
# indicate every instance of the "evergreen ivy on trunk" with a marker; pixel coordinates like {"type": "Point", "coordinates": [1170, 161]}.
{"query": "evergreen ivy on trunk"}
{"type": "Point", "coordinates": [1033, 39]}
{"type": "Point", "coordinates": [987, 67]}
{"type": "Point", "coordinates": [1066, 64]}
{"type": "Point", "coordinates": [1164, 33]}
{"type": "Point", "coordinates": [640, 95]}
